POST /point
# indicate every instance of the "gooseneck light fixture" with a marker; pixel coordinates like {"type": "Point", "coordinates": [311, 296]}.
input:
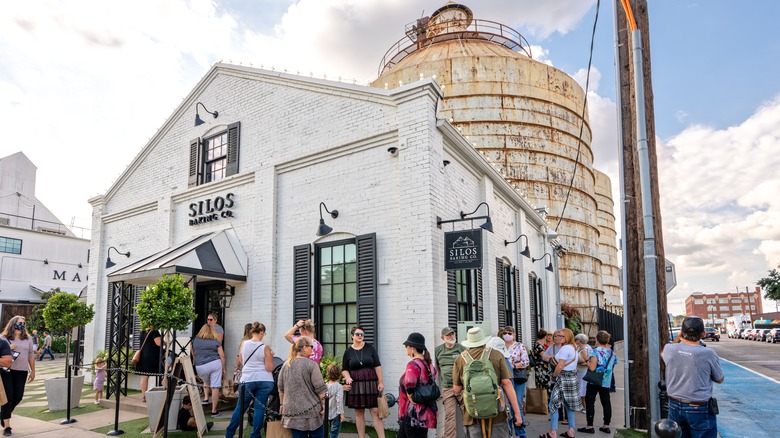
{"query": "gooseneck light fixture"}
{"type": "Point", "coordinates": [549, 265]}
{"type": "Point", "coordinates": [109, 263]}
{"type": "Point", "coordinates": [198, 120]}
{"type": "Point", "coordinates": [488, 225]}
{"type": "Point", "coordinates": [526, 252]}
{"type": "Point", "coordinates": [323, 229]}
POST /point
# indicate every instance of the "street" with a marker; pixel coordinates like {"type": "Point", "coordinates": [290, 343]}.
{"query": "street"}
{"type": "Point", "coordinates": [752, 383]}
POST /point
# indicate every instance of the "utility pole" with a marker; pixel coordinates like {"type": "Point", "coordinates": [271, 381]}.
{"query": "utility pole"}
{"type": "Point", "coordinates": [645, 263]}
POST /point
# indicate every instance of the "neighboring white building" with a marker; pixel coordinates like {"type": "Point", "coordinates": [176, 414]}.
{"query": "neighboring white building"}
{"type": "Point", "coordinates": [235, 203]}
{"type": "Point", "coordinates": [37, 251]}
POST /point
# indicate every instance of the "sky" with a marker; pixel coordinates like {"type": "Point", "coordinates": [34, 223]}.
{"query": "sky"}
{"type": "Point", "coordinates": [84, 84]}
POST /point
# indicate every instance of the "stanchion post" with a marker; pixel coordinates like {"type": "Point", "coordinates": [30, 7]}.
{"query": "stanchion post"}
{"type": "Point", "coordinates": [325, 416]}
{"type": "Point", "coordinates": [241, 392]}
{"type": "Point", "coordinates": [663, 398]}
{"type": "Point", "coordinates": [116, 430]}
{"type": "Point", "coordinates": [69, 374]}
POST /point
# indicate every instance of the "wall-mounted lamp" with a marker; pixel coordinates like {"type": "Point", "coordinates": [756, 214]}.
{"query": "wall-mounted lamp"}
{"type": "Point", "coordinates": [549, 265]}
{"type": "Point", "coordinates": [198, 120]}
{"type": "Point", "coordinates": [226, 296]}
{"type": "Point", "coordinates": [526, 252]}
{"type": "Point", "coordinates": [446, 163]}
{"type": "Point", "coordinates": [323, 229]}
{"type": "Point", "coordinates": [552, 234]}
{"type": "Point", "coordinates": [393, 151]}
{"type": "Point", "coordinates": [488, 225]}
{"type": "Point", "coordinates": [80, 265]}
{"type": "Point", "coordinates": [109, 263]}
{"type": "Point", "coordinates": [45, 261]}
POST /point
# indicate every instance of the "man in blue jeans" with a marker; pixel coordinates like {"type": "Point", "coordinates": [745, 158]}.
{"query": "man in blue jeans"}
{"type": "Point", "coordinates": [690, 371]}
{"type": "Point", "coordinates": [46, 346]}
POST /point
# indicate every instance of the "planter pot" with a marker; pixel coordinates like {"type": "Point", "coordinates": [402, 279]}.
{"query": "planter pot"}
{"type": "Point", "coordinates": [57, 388]}
{"type": "Point", "coordinates": [155, 397]}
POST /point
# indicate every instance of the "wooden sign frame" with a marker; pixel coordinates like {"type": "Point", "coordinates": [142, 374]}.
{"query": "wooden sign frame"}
{"type": "Point", "coordinates": [192, 389]}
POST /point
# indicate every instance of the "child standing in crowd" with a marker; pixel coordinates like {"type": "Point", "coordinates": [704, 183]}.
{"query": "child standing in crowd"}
{"type": "Point", "coordinates": [336, 399]}
{"type": "Point", "coordinates": [100, 379]}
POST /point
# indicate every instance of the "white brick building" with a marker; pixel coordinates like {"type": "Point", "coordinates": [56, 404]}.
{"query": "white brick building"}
{"type": "Point", "coordinates": [291, 143]}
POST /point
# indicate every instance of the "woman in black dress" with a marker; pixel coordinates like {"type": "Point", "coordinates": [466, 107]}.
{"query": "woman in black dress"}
{"type": "Point", "coordinates": [362, 373]}
{"type": "Point", "coordinates": [150, 358]}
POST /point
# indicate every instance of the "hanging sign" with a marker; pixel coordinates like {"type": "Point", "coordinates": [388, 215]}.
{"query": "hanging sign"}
{"type": "Point", "coordinates": [463, 249]}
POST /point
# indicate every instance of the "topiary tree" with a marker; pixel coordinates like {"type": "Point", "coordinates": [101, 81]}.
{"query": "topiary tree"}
{"type": "Point", "coordinates": [165, 306]}
{"type": "Point", "coordinates": [64, 312]}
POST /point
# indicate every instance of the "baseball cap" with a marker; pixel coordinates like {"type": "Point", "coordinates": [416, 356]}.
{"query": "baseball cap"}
{"type": "Point", "coordinates": [692, 324]}
{"type": "Point", "coordinates": [447, 330]}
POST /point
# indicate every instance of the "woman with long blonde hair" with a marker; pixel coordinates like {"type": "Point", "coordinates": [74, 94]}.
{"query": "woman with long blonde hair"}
{"type": "Point", "coordinates": [565, 391]}
{"type": "Point", "coordinates": [302, 392]}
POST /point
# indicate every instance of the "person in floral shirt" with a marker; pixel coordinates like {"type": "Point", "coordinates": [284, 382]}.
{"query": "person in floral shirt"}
{"type": "Point", "coordinates": [305, 328]}
{"type": "Point", "coordinates": [415, 419]}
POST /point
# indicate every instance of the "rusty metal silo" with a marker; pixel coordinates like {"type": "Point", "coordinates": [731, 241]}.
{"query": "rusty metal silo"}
{"type": "Point", "coordinates": [522, 115]}
{"type": "Point", "coordinates": [610, 274]}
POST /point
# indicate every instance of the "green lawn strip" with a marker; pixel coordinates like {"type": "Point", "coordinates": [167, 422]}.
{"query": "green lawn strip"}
{"type": "Point", "coordinates": [351, 428]}
{"type": "Point", "coordinates": [133, 429]}
{"type": "Point", "coordinates": [629, 433]}
{"type": "Point", "coordinates": [42, 412]}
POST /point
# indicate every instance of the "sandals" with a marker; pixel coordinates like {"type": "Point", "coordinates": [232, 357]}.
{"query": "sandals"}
{"type": "Point", "coordinates": [586, 430]}
{"type": "Point", "coordinates": [566, 435]}
{"type": "Point", "coordinates": [605, 429]}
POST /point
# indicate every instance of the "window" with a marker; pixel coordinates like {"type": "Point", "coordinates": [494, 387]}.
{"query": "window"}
{"type": "Point", "coordinates": [214, 158]}
{"type": "Point", "coordinates": [724, 307]}
{"type": "Point", "coordinates": [336, 293]}
{"type": "Point", "coordinates": [698, 301]}
{"type": "Point", "coordinates": [736, 307]}
{"type": "Point", "coordinates": [464, 296]}
{"type": "Point", "coordinates": [508, 296]}
{"type": "Point", "coordinates": [10, 245]}
{"type": "Point", "coordinates": [345, 286]}
{"type": "Point", "coordinates": [735, 301]}
{"type": "Point", "coordinates": [723, 300]}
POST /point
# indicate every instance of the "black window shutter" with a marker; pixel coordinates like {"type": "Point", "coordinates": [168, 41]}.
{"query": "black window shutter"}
{"type": "Point", "coordinates": [367, 286]}
{"type": "Point", "coordinates": [501, 289]}
{"type": "Point", "coordinates": [195, 163]}
{"type": "Point", "coordinates": [540, 291]}
{"type": "Point", "coordinates": [478, 290]}
{"type": "Point", "coordinates": [234, 142]}
{"type": "Point", "coordinates": [532, 310]}
{"type": "Point", "coordinates": [301, 282]}
{"type": "Point", "coordinates": [136, 294]}
{"type": "Point", "coordinates": [452, 300]}
{"type": "Point", "coordinates": [518, 312]}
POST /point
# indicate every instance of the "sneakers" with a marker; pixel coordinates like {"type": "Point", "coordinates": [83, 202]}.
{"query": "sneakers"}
{"type": "Point", "coordinates": [216, 414]}
{"type": "Point", "coordinates": [7, 431]}
{"type": "Point", "coordinates": [209, 425]}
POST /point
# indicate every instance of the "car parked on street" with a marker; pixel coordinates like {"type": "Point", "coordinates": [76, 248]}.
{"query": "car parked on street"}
{"type": "Point", "coordinates": [746, 334]}
{"type": "Point", "coordinates": [712, 334]}
{"type": "Point", "coordinates": [761, 335]}
{"type": "Point", "coordinates": [773, 336]}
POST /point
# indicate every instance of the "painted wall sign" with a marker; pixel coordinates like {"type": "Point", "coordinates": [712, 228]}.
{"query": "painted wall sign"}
{"type": "Point", "coordinates": [463, 249]}
{"type": "Point", "coordinates": [212, 209]}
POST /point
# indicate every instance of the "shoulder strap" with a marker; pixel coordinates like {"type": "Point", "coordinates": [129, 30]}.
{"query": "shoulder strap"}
{"type": "Point", "coordinates": [486, 355]}
{"type": "Point", "coordinates": [252, 353]}
{"type": "Point", "coordinates": [467, 357]}
{"type": "Point", "coordinates": [145, 338]}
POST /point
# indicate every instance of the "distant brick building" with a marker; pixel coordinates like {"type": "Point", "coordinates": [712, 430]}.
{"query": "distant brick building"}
{"type": "Point", "coordinates": [719, 306]}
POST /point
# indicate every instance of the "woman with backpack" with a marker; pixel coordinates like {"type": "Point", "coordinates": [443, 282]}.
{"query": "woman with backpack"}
{"type": "Point", "coordinates": [257, 366]}
{"type": "Point", "coordinates": [415, 419]}
{"type": "Point", "coordinates": [566, 389]}
{"type": "Point", "coordinates": [602, 359]}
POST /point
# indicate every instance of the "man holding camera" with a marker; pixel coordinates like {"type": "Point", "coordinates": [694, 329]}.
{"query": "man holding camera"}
{"type": "Point", "coordinates": [690, 371]}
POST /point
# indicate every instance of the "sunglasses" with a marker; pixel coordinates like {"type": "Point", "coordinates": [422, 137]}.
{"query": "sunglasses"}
{"type": "Point", "coordinates": [560, 336]}
{"type": "Point", "coordinates": [358, 334]}
{"type": "Point", "coordinates": [210, 319]}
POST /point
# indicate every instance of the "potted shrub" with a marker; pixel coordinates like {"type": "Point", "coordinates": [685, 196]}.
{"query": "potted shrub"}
{"type": "Point", "coordinates": [165, 306]}
{"type": "Point", "coordinates": [63, 313]}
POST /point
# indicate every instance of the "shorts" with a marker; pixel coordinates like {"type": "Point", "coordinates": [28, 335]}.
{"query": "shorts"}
{"type": "Point", "coordinates": [211, 373]}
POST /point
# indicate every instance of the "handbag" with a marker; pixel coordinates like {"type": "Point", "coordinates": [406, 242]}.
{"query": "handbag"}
{"type": "Point", "coordinates": [596, 377]}
{"type": "Point", "coordinates": [274, 429]}
{"type": "Point", "coordinates": [519, 376]}
{"type": "Point", "coordinates": [382, 408]}
{"type": "Point", "coordinates": [428, 393]}
{"type": "Point", "coordinates": [536, 401]}
{"type": "Point", "coordinates": [137, 355]}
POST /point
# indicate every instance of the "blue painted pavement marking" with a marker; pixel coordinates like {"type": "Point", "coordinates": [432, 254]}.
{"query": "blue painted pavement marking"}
{"type": "Point", "coordinates": [747, 402]}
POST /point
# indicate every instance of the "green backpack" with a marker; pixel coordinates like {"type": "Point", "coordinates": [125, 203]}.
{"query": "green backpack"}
{"type": "Point", "coordinates": [480, 386]}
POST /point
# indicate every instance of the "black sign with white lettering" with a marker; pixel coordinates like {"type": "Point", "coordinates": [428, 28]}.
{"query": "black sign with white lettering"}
{"type": "Point", "coordinates": [463, 249]}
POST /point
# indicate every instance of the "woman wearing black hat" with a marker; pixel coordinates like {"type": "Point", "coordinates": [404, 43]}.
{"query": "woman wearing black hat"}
{"type": "Point", "coordinates": [416, 418]}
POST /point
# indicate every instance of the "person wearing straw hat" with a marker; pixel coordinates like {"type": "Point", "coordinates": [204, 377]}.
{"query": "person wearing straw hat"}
{"type": "Point", "coordinates": [475, 343]}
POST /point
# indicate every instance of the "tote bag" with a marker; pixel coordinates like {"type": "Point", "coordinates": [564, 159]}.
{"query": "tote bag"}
{"type": "Point", "coordinates": [536, 401]}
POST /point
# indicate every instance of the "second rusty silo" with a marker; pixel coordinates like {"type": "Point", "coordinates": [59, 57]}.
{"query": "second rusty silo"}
{"type": "Point", "coordinates": [522, 115]}
{"type": "Point", "coordinates": [610, 273]}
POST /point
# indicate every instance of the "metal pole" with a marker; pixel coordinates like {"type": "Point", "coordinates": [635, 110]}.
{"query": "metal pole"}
{"type": "Point", "coordinates": [650, 258]}
{"type": "Point", "coordinates": [241, 392]}
{"type": "Point", "coordinates": [624, 255]}
{"type": "Point", "coordinates": [68, 371]}
{"type": "Point", "coordinates": [117, 389]}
